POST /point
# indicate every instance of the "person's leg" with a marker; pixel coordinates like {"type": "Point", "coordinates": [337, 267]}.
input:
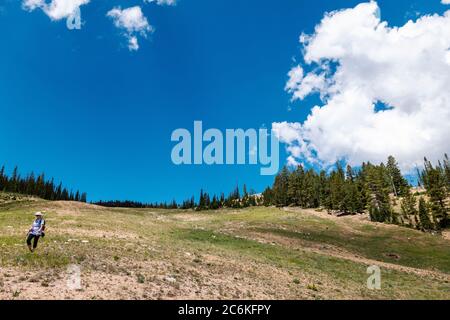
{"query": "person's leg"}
{"type": "Point", "coordinates": [35, 243]}
{"type": "Point", "coordinates": [29, 238]}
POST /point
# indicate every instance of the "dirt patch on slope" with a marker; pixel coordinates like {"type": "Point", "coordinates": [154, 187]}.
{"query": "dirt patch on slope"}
{"type": "Point", "coordinates": [334, 251]}
{"type": "Point", "coordinates": [210, 277]}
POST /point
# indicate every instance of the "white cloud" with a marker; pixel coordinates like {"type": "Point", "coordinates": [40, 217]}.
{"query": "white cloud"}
{"type": "Point", "coordinates": [163, 2]}
{"type": "Point", "coordinates": [55, 9]}
{"type": "Point", "coordinates": [292, 162]}
{"type": "Point", "coordinates": [133, 43]}
{"type": "Point", "coordinates": [445, 1]}
{"type": "Point", "coordinates": [287, 132]}
{"type": "Point", "coordinates": [357, 60]}
{"type": "Point", "coordinates": [33, 4]}
{"type": "Point", "coordinates": [133, 22]}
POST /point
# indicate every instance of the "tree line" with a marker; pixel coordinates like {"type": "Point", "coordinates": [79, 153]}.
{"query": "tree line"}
{"type": "Point", "coordinates": [37, 185]}
{"type": "Point", "coordinates": [381, 190]}
{"type": "Point", "coordinates": [205, 201]}
{"type": "Point", "coordinates": [373, 188]}
{"type": "Point", "coordinates": [136, 204]}
{"type": "Point", "coordinates": [235, 199]}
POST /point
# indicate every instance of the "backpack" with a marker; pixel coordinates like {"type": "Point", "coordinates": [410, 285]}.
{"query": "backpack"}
{"type": "Point", "coordinates": [43, 228]}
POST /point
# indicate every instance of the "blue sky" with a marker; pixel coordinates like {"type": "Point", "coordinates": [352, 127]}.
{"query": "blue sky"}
{"type": "Point", "coordinates": [80, 106]}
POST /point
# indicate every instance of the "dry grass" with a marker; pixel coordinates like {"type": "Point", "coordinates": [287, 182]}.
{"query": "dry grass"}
{"type": "Point", "coordinates": [257, 253]}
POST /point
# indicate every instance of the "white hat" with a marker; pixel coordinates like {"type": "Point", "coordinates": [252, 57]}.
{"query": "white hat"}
{"type": "Point", "coordinates": [38, 213]}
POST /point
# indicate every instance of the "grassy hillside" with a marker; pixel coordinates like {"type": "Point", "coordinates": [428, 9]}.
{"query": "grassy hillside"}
{"type": "Point", "coordinates": [256, 253]}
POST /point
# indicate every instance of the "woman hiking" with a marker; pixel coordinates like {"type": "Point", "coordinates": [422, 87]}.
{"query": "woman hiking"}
{"type": "Point", "coordinates": [36, 231]}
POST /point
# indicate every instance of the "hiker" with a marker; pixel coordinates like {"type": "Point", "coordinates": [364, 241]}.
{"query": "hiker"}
{"type": "Point", "coordinates": [36, 231]}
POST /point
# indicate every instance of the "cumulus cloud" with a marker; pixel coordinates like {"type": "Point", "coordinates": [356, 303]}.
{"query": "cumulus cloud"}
{"type": "Point", "coordinates": [163, 2]}
{"type": "Point", "coordinates": [33, 4]}
{"type": "Point", "coordinates": [357, 62]}
{"type": "Point", "coordinates": [445, 1]}
{"type": "Point", "coordinates": [55, 9]}
{"type": "Point", "coordinates": [133, 22]}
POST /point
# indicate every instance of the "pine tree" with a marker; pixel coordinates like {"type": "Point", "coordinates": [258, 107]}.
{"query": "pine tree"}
{"type": "Point", "coordinates": [447, 171]}
{"type": "Point", "coordinates": [201, 201]}
{"type": "Point", "coordinates": [324, 190]}
{"type": "Point", "coordinates": [207, 201]}
{"type": "Point", "coordinates": [214, 203]}
{"type": "Point", "coordinates": [408, 206]}
{"type": "Point", "coordinates": [380, 209]}
{"type": "Point", "coordinates": [58, 195]}
{"type": "Point", "coordinates": [268, 197]}
{"type": "Point", "coordinates": [337, 189]}
{"type": "Point", "coordinates": [65, 195]}
{"type": "Point", "coordinates": [245, 198]}
{"type": "Point", "coordinates": [193, 202]}
{"type": "Point", "coordinates": [352, 202]}
{"type": "Point", "coordinates": [245, 190]}
{"type": "Point", "coordinates": [280, 188]}
{"type": "Point", "coordinates": [434, 180]}
{"type": "Point", "coordinates": [398, 182]}
{"type": "Point", "coordinates": [3, 179]}
{"type": "Point", "coordinates": [350, 174]}
{"type": "Point", "coordinates": [236, 193]}
{"type": "Point", "coordinates": [295, 187]}
{"type": "Point", "coordinates": [40, 186]}
{"type": "Point", "coordinates": [253, 201]}
{"type": "Point", "coordinates": [49, 190]}
{"type": "Point", "coordinates": [173, 204]}
{"type": "Point", "coordinates": [312, 189]}
{"type": "Point", "coordinates": [30, 188]}
{"type": "Point", "coordinates": [14, 180]}
{"type": "Point", "coordinates": [424, 215]}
